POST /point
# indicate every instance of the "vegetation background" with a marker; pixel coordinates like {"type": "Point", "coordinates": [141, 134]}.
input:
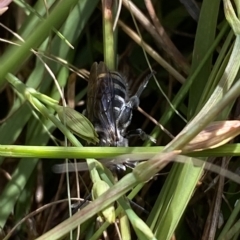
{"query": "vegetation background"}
{"type": "Point", "coordinates": [48, 47]}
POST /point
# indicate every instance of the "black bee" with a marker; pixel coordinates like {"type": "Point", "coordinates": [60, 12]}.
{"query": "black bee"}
{"type": "Point", "coordinates": [109, 105]}
{"type": "Point", "coordinates": [109, 108]}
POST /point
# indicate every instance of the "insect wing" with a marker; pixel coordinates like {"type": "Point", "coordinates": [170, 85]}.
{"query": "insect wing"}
{"type": "Point", "coordinates": [107, 117]}
{"type": "Point", "coordinates": [91, 90]}
{"type": "Point", "coordinates": [100, 101]}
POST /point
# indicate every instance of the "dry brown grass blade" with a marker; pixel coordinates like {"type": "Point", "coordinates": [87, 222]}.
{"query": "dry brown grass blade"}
{"type": "Point", "coordinates": [214, 213]}
{"type": "Point", "coordinates": [151, 52]}
{"type": "Point", "coordinates": [158, 33]}
{"type": "Point", "coordinates": [167, 44]}
{"type": "Point", "coordinates": [214, 135]}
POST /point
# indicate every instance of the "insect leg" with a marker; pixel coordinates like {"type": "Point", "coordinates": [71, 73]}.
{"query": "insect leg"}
{"type": "Point", "coordinates": [144, 84]}
{"type": "Point", "coordinates": [139, 133]}
{"type": "Point", "coordinates": [134, 100]}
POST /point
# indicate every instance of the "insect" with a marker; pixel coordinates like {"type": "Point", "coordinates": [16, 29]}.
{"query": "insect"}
{"type": "Point", "coordinates": [109, 109]}
{"type": "Point", "coordinates": [109, 105]}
